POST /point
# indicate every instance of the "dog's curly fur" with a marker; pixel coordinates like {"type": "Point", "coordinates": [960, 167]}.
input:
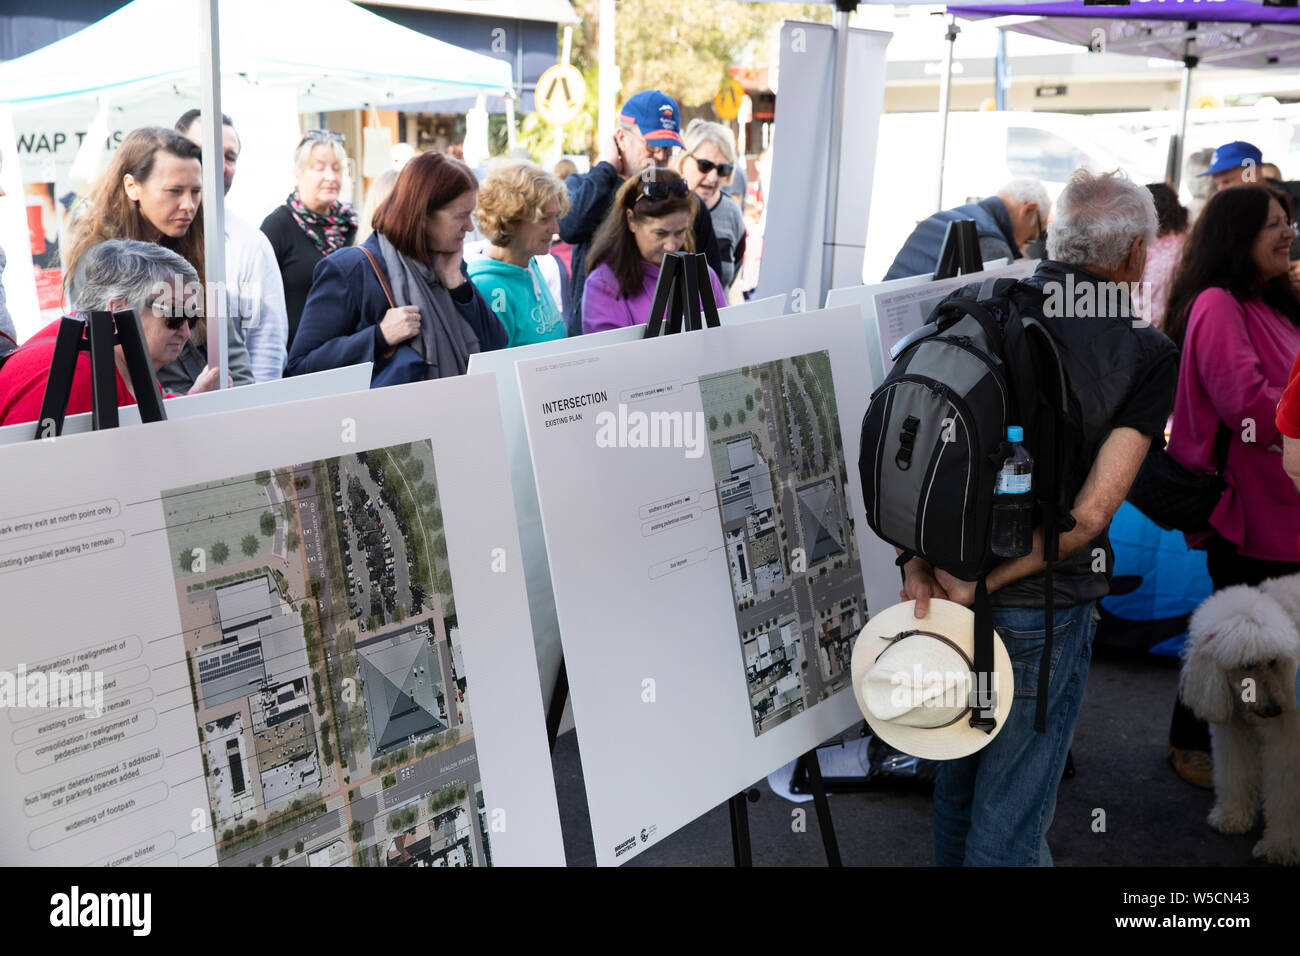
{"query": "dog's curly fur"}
{"type": "Point", "coordinates": [1239, 673]}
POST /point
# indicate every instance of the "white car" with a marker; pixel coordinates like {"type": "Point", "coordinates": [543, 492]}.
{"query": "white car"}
{"type": "Point", "coordinates": [984, 150]}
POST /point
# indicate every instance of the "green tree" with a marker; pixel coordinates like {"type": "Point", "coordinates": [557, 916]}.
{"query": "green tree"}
{"type": "Point", "coordinates": [291, 540]}
{"type": "Point", "coordinates": [726, 419]}
{"type": "Point", "coordinates": [297, 847]}
{"type": "Point", "coordinates": [266, 523]}
{"type": "Point", "coordinates": [249, 545]}
{"type": "Point", "coordinates": [749, 402]}
{"type": "Point", "coordinates": [713, 423]}
{"type": "Point", "coordinates": [220, 552]}
{"type": "Point", "coordinates": [262, 478]}
{"type": "Point", "coordinates": [186, 560]}
{"type": "Point", "coordinates": [682, 49]}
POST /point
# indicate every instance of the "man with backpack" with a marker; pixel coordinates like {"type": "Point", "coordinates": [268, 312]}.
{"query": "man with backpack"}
{"type": "Point", "coordinates": [995, 806]}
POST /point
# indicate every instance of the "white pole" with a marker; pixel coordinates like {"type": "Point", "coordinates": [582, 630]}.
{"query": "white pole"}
{"type": "Point", "coordinates": [841, 22]}
{"type": "Point", "coordinates": [1184, 96]}
{"type": "Point", "coordinates": [568, 45]}
{"type": "Point", "coordinates": [214, 197]}
{"type": "Point", "coordinates": [607, 85]}
{"type": "Point", "coordinates": [945, 90]}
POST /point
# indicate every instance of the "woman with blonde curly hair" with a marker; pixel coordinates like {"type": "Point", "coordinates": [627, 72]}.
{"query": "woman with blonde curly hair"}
{"type": "Point", "coordinates": [519, 207]}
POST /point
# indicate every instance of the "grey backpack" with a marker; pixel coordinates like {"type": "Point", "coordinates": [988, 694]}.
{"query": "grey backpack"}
{"type": "Point", "coordinates": [933, 442]}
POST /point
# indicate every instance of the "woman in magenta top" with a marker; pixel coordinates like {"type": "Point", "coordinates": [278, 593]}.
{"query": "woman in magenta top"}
{"type": "Point", "coordinates": [652, 215]}
{"type": "Point", "coordinates": [1236, 317]}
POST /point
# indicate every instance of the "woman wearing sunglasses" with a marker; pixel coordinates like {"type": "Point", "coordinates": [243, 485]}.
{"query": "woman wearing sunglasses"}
{"type": "Point", "coordinates": [314, 221]}
{"type": "Point", "coordinates": [114, 275]}
{"type": "Point", "coordinates": [153, 191]}
{"type": "Point", "coordinates": [707, 166]}
{"type": "Point", "coordinates": [651, 217]}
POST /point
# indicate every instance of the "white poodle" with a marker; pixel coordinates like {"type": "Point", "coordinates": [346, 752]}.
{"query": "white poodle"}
{"type": "Point", "coordinates": [1239, 674]}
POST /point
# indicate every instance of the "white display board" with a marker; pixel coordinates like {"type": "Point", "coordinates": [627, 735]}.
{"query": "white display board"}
{"type": "Point", "coordinates": [296, 388]}
{"type": "Point", "coordinates": [707, 543]}
{"type": "Point", "coordinates": [901, 310]}
{"type": "Point", "coordinates": [532, 544]}
{"type": "Point", "coordinates": [794, 234]}
{"type": "Point", "coordinates": [244, 595]}
{"type": "Point", "coordinates": [864, 298]}
{"type": "Point", "coordinates": [753, 310]}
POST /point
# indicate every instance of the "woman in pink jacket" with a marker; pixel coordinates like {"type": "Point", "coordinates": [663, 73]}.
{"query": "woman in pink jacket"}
{"type": "Point", "coordinates": [651, 215]}
{"type": "Point", "coordinates": [1236, 317]}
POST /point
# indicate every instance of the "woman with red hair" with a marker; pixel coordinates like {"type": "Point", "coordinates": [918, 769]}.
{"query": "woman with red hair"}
{"type": "Point", "coordinates": [402, 299]}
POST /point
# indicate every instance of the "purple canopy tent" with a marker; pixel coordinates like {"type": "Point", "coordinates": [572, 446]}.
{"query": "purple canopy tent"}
{"type": "Point", "coordinates": [1230, 33]}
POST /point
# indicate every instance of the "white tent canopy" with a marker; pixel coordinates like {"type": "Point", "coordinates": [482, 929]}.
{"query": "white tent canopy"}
{"type": "Point", "coordinates": [332, 53]}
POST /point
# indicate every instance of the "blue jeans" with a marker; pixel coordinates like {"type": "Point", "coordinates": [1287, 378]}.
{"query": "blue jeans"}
{"type": "Point", "coordinates": [994, 807]}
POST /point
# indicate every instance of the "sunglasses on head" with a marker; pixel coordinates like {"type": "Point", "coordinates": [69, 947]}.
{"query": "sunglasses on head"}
{"type": "Point", "coordinates": [705, 167]}
{"type": "Point", "coordinates": [322, 136]}
{"type": "Point", "coordinates": [657, 190]}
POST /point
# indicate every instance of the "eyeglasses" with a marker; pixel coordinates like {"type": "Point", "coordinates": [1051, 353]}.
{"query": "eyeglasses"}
{"type": "Point", "coordinates": [657, 190]}
{"type": "Point", "coordinates": [322, 136]}
{"type": "Point", "coordinates": [705, 167]}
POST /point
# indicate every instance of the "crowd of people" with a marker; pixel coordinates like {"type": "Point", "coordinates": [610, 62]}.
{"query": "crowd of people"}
{"type": "Point", "coordinates": [317, 286]}
{"type": "Point", "coordinates": [403, 285]}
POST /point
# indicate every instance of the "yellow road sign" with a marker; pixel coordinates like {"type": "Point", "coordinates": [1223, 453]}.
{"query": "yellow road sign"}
{"type": "Point", "coordinates": [560, 94]}
{"type": "Point", "coordinates": [727, 103]}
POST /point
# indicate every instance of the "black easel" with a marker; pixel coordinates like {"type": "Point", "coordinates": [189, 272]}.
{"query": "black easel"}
{"type": "Point", "coordinates": [97, 334]}
{"type": "Point", "coordinates": [682, 287]}
{"type": "Point", "coordinates": [960, 252]}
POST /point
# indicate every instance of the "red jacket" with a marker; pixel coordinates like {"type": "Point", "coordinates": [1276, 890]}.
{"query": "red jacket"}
{"type": "Point", "coordinates": [23, 377]}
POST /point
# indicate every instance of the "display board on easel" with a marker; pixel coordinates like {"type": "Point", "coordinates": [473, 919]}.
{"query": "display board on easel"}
{"type": "Point", "coordinates": [309, 633]}
{"type": "Point", "coordinates": [709, 556]}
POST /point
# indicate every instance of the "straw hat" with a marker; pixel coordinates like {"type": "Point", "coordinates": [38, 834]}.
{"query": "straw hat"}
{"type": "Point", "coordinates": [913, 678]}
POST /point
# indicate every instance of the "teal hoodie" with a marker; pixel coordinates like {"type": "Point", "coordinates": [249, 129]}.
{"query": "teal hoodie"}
{"type": "Point", "coordinates": [520, 299]}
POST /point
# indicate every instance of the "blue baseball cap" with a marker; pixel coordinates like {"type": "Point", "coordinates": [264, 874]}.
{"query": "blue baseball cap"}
{"type": "Point", "coordinates": [1233, 155]}
{"type": "Point", "coordinates": [656, 116]}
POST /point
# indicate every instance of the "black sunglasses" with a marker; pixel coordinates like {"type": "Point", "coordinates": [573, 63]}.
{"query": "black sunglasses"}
{"type": "Point", "coordinates": [322, 136]}
{"type": "Point", "coordinates": [174, 322]}
{"type": "Point", "coordinates": [657, 190]}
{"type": "Point", "coordinates": [705, 167]}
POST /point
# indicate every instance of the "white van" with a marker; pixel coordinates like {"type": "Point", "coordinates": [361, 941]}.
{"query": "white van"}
{"type": "Point", "coordinates": [984, 150]}
{"type": "Point", "coordinates": [1273, 127]}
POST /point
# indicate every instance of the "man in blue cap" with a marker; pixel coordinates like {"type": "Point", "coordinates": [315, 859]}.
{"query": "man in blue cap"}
{"type": "Point", "coordinates": [649, 127]}
{"type": "Point", "coordinates": [1234, 164]}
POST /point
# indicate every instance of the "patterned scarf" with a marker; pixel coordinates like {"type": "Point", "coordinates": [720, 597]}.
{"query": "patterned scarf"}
{"type": "Point", "coordinates": [328, 231]}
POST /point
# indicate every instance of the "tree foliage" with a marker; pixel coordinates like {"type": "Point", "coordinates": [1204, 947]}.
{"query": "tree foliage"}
{"type": "Point", "coordinates": [683, 49]}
